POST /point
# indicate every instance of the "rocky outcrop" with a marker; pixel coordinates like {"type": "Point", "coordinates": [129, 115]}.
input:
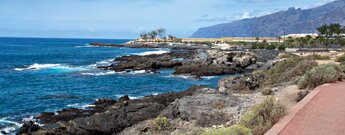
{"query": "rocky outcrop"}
{"type": "Point", "coordinates": [191, 114]}
{"type": "Point", "coordinates": [234, 84]}
{"type": "Point", "coordinates": [208, 108]}
{"type": "Point", "coordinates": [108, 116]}
{"type": "Point", "coordinates": [216, 62]}
{"type": "Point", "coordinates": [150, 63]}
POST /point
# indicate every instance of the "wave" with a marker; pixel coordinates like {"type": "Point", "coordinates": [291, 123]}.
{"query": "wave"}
{"type": "Point", "coordinates": [183, 76]}
{"type": "Point", "coordinates": [192, 77]}
{"type": "Point", "coordinates": [130, 97]}
{"type": "Point", "coordinates": [99, 73]}
{"type": "Point", "coordinates": [162, 51]}
{"type": "Point", "coordinates": [55, 67]}
{"type": "Point", "coordinates": [102, 73]}
{"type": "Point", "coordinates": [80, 105]}
{"type": "Point", "coordinates": [84, 46]}
{"type": "Point", "coordinates": [11, 126]}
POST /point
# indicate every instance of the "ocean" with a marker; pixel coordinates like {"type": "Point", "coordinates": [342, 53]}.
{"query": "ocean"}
{"type": "Point", "coordinates": [46, 74]}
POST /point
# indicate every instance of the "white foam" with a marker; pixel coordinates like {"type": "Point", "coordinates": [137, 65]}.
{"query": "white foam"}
{"type": "Point", "coordinates": [10, 122]}
{"type": "Point", "coordinates": [62, 67]}
{"type": "Point", "coordinates": [208, 77]}
{"type": "Point", "coordinates": [84, 46]}
{"type": "Point", "coordinates": [12, 125]}
{"type": "Point", "coordinates": [183, 76]}
{"type": "Point", "coordinates": [130, 97]}
{"type": "Point", "coordinates": [38, 66]}
{"type": "Point", "coordinates": [80, 105]}
{"type": "Point", "coordinates": [153, 52]}
{"type": "Point", "coordinates": [99, 73]}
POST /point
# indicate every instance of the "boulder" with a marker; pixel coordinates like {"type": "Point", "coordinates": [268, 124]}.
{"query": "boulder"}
{"type": "Point", "coordinates": [240, 83]}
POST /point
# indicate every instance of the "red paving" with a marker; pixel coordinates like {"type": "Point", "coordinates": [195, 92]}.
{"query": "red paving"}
{"type": "Point", "coordinates": [321, 113]}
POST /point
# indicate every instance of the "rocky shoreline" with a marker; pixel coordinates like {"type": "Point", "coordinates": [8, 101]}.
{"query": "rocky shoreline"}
{"type": "Point", "coordinates": [197, 107]}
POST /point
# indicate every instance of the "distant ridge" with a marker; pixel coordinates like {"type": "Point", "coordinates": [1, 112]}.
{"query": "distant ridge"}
{"type": "Point", "coordinates": [293, 21]}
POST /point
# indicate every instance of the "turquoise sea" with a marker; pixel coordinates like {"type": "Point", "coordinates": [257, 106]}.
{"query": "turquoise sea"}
{"type": "Point", "coordinates": [46, 74]}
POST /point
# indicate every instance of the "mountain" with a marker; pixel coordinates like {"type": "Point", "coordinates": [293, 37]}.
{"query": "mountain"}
{"type": "Point", "coordinates": [293, 21]}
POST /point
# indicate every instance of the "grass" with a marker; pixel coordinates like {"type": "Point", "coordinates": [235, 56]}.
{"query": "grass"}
{"type": "Point", "coordinates": [340, 58]}
{"type": "Point", "coordinates": [320, 75]}
{"type": "Point", "coordinates": [263, 116]}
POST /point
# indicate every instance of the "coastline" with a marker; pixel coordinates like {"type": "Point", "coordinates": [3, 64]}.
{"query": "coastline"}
{"type": "Point", "coordinates": [101, 105]}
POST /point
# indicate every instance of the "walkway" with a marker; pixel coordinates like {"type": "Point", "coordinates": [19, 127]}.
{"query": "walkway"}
{"type": "Point", "coordinates": [322, 112]}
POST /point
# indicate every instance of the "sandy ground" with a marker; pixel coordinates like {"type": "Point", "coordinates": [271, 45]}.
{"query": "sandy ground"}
{"type": "Point", "coordinates": [288, 95]}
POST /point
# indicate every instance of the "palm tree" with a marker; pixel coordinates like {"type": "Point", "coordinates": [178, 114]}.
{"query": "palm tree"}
{"type": "Point", "coordinates": [144, 36]}
{"type": "Point", "coordinates": [279, 38]}
{"type": "Point", "coordinates": [153, 34]}
{"type": "Point", "coordinates": [308, 39]}
{"type": "Point", "coordinates": [290, 41]}
{"type": "Point", "coordinates": [161, 32]}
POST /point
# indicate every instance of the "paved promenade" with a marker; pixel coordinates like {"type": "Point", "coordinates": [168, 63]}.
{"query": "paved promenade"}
{"type": "Point", "coordinates": [322, 112]}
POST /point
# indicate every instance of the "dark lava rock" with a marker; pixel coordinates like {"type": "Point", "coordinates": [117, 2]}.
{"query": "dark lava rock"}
{"type": "Point", "coordinates": [113, 118]}
{"type": "Point", "coordinates": [28, 127]}
{"type": "Point", "coordinates": [124, 98]}
{"type": "Point", "coordinates": [205, 69]}
{"type": "Point", "coordinates": [149, 62]}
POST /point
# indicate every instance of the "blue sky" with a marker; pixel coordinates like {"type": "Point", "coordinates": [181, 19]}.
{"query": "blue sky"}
{"type": "Point", "coordinates": [128, 18]}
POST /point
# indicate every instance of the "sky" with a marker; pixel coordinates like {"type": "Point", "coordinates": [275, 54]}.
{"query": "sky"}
{"type": "Point", "coordinates": [126, 19]}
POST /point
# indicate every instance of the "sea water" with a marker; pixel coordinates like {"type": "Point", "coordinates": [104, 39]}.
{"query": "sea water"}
{"type": "Point", "coordinates": [45, 75]}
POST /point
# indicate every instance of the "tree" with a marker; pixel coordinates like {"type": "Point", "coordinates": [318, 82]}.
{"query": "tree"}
{"type": "Point", "coordinates": [279, 38]}
{"type": "Point", "coordinates": [144, 36]}
{"type": "Point", "coordinates": [301, 41]}
{"type": "Point", "coordinates": [290, 41]}
{"type": "Point", "coordinates": [161, 32]}
{"type": "Point", "coordinates": [308, 40]}
{"type": "Point", "coordinates": [153, 34]}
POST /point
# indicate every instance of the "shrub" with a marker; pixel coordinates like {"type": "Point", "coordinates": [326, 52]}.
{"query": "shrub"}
{"type": "Point", "coordinates": [263, 116]}
{"type": "Point", "coordinates": [288, 70]}
{"type": "Point", "coordinates": [270, 47]}
{"type": "Point", "coordinates": [281, 47]}
{"type": "Point", "coordinates": [318, 57]}
{"type": "Point", "coordinates": [160, 123]}
{"type": "Point", "coordinates": [233, 130]}
{"type": "Point", "coordinates": [301, 95]}
{"type": "Point", "coordinates": [321, 75]}
{"type": "Point", "coordinates": [219, 105]}
{"type": "Point", "coordinates": [340, 58]}
{"type": "Point", "coordinates": [267, 91]}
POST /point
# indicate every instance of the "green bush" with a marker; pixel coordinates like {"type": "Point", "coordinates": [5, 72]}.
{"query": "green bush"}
{"type": "Point", "coordinates": [263, 116]}
{"type": "Point", "coordinates": [318, 57]}
{"type": "Point", "coordinates": [267, 91]}
{"type": "Point", "coordinates": [255, 46]}
{"type": "Point", "coordinates": [288, 70]}
{"type": "Point", "coordinates": [321, 75]}
{"type": "Point", "coordinates": [160, 123]}
{"type": "Point", "coordinates": [302, 94]}
{"type": "Point", "coordinates": [281, 47]}
{"type": "Point", "coordinates": [233, 130]}
{"type": "Point", "coordinates": [340, 58]}
{"type": "Point", "coordinates": [270, 47]}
